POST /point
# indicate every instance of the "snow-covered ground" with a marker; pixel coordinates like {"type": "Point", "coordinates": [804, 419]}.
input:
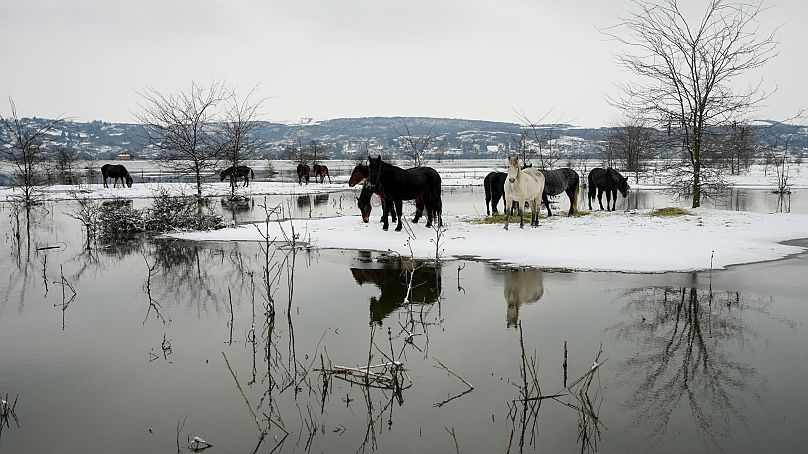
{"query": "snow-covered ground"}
{"type": "Point", "coordinates": [616, 241]}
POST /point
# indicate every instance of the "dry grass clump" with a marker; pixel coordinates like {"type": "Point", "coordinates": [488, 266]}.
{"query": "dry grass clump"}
{"type": "Point", "coordinates": [669, 212]}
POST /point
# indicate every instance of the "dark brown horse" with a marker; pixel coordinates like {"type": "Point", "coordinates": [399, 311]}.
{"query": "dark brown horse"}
{"type": "Point", "coordinates": [363, 202]}
{"type": "Point", "coordinates": [320, 170]}
{"type": "Point", "coordinates": [303, 171]}
{"type": "Point", "coordinates": [609, 181]}
{"type": "Point", "coordinates": [118, 172]}
{"type": "Point", "coordinates": [360, 172]}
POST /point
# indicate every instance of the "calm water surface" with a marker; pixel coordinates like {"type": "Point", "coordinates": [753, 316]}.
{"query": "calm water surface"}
{"type": "Point", "coordinates": [695, 362]}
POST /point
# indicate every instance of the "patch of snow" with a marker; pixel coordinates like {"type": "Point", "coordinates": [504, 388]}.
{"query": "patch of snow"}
{"type": "Point", "coordinates": [601, 241]}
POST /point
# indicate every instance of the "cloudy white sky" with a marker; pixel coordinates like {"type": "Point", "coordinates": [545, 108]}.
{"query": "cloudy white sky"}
{"type": "Point", "coordinates": [329, 58]}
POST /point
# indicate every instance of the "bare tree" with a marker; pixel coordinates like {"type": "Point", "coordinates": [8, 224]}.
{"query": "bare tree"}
{"type": "Point", "coordinates": [687, 69]}
{"type": "Point", "coordinates": [316, 151]}
{"type": "Point", "coordinates": [21, 143]}
{"type": "Point", "coordinates": [182, 128]}
{"type": "Point", "coordinates": [238, 137]}
{"type": "Point", "coordinates": [238, 128]}
{"type": "Point", "coordinates": [778, 142]}
{"type": "Point", "coordinates": [537, 141]}
{"type": "Point", "coordinates": [65, 161]}
{"type": "Point", "coordinates": [631, 143]}
{"type": "Point", "coordinates": [415, 146]}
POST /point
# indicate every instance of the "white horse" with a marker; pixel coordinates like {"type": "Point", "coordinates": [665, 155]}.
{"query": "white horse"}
{"type": "Point", "coordinates": [523, 185]}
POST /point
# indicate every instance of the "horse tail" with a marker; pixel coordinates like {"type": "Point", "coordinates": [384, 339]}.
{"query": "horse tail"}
{"type": "Point", "coordinates": [575, 199]}
{"type": "Point", "coordinates": [252, 174]}
{"type": "Point", "coordinates": [591, 188]}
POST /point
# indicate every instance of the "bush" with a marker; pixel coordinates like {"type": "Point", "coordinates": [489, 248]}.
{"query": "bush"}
{"type": "Point", "coordinates": [167, 213]}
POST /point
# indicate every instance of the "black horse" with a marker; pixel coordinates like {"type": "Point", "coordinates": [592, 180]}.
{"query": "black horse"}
{"type": "Point", "coordinates": [609, 181]}
{"type": "Point", "coordinates": [398, 184]}
{"type": "Point", "coordinates": [303, 171]}
{"type": "Point", "coordinates": [321, 170]}
{"type": "Point", "coordinates": [558, 181]}
{"type": "Point", "coordinates": [236, 172]}
{"type": "Point", "coordinates": [116, 171]}
{"type": "Point", "coordinates": [494, 185]}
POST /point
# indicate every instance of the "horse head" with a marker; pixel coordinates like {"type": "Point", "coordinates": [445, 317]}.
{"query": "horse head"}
{"type": "Point", "coordinates": [513, 168]}
{"type": "Point", "coordinates": [128, 181]}
{"type": "Point", "coordinates": [623, 186]}
{"type": "Point", "coordinates": [374, 169]}
{"type": "Point", "coordinates": [363, 202]}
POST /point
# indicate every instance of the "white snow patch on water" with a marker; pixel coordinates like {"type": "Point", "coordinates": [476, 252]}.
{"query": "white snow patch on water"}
{"type": "Point", "coordinates": [601, 241]}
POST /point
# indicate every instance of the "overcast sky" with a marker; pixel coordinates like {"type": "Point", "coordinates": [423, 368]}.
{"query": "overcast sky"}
{"type": "Point", "coordinates": [352, 58]}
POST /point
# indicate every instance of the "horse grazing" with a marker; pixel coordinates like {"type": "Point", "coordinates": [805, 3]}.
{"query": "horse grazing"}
{"type": "Point", "coordinates": [236, 172]}
{"type": "Point", "coordinates": [494, 184]}
{"type": "Point", "coordinates": [398, 184]}
{"type": "Point", "coordinates": [360, 172]}
{"type": "Point", "coordinates": [363, 202]}
{"type": "Point", "coordinates": [117, 172]}
{"type": "Point", "coordinates": [320, 170]}
{"type": "Point", "coordinates": [303, 171]}
{"type": "Point", "coordinates": [558, 181]}
{"type": "Point", "coordinates": [521, 186]}
{"type": "Point", "coordinates": [609, 181]}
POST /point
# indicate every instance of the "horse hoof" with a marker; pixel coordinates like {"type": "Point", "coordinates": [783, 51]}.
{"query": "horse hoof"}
{"type": "Point", "coordinates": [398, 229]}
{"type": "Point", "coordinates": [384, 227]}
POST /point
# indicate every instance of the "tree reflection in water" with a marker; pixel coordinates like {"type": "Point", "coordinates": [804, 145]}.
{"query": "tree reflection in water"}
{"type": "Point", "coordinates": [684, 336]}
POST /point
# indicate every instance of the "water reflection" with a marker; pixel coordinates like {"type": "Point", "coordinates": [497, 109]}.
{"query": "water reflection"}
{"type": "Point", "coordinates": [685, 337]}
{"type": "Point", "coordinates": [320, 199]}
{"type": "Point", "coordinates": [399, 281]}
{"type": "Point", "coordinates": [521, 287]}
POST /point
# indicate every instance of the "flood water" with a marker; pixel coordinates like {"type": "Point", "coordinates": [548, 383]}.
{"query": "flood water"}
{"type": "Point", "coordinates": [690, 362]}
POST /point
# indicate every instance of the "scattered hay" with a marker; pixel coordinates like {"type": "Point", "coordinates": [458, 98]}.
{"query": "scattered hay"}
{"type": "Point", "coordinates": [669, 212]}
{"type": "Point", "coordinates": [500, 219]}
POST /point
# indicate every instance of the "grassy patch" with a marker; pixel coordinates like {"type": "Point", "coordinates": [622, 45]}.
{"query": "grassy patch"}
{"type": "Point", "coordinates": [580, 213]}
{"type": "Point", "coordinates": [669, 212]}
{"type": "Point", "coordinates": [500, 219]}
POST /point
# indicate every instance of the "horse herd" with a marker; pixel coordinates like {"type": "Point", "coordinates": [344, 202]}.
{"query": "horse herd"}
{"type": "Point", "coordinates": [520, 185]}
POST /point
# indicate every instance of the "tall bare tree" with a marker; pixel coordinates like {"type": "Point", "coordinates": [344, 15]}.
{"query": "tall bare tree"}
{"type": "Point", "coordinates": [238, 137]}
{"type": "Point", "coordinates": [537, 140]}
{"type": "Point", "coordinates": [21, 143]}
{"type": "Point", "coordinates": [631, 143]}
{"type": "Point", "coordinates": [238, 128]}
{"type": "Point", "coordinates": [687, 69]}
{"type": "Point", "coordinates": [182, 128]}
{"type": "Point", "coordinates": [416, 146]}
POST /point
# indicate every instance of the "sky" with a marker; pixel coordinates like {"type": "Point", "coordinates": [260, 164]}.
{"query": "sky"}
{"type": "Point", "coordinates": [487, 60]}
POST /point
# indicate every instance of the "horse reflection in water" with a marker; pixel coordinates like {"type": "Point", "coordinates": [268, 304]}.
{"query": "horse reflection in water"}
{"type": "Point", "coordinates": [320, 199]}
{"type": "Point", "coordinates": [391, 279]}
{"type": "Point", "coordinates": [521, 287]}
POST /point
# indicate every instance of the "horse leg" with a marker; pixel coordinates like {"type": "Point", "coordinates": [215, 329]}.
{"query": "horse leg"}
{"type": "Point", "coordinates": [535, 206]}
{"type": "Point", "coordinates": [385, 211]}
{"type": "Point", "coordinates": [571, 194]}
{"type": "Point", "coordinates": [521, 215]}
{"type": "Point", "coordinates": [428, 203]}
{"type": "Point", "coordinates": [608, 199]}
{"type": "Point", "coordinates": [614, 199]}
{"type": "Point", "coordinates": [507, 212]}
{"type": "Point", "coordinates": [546, 203]}
{"type": "Point", "coordinates": [600, 198]}
{"type": "Point", "coordinates": [329, 177]}
{"type": "Point", "coordinates": [399, 212]}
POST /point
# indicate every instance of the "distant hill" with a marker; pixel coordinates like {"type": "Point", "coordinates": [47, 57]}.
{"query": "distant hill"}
{"type": "Point", "coordinates": [349, 138]}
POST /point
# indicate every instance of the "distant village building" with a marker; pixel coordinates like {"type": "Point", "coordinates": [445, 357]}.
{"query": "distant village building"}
{"type": "Point", "coordinates": [124, 157]}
